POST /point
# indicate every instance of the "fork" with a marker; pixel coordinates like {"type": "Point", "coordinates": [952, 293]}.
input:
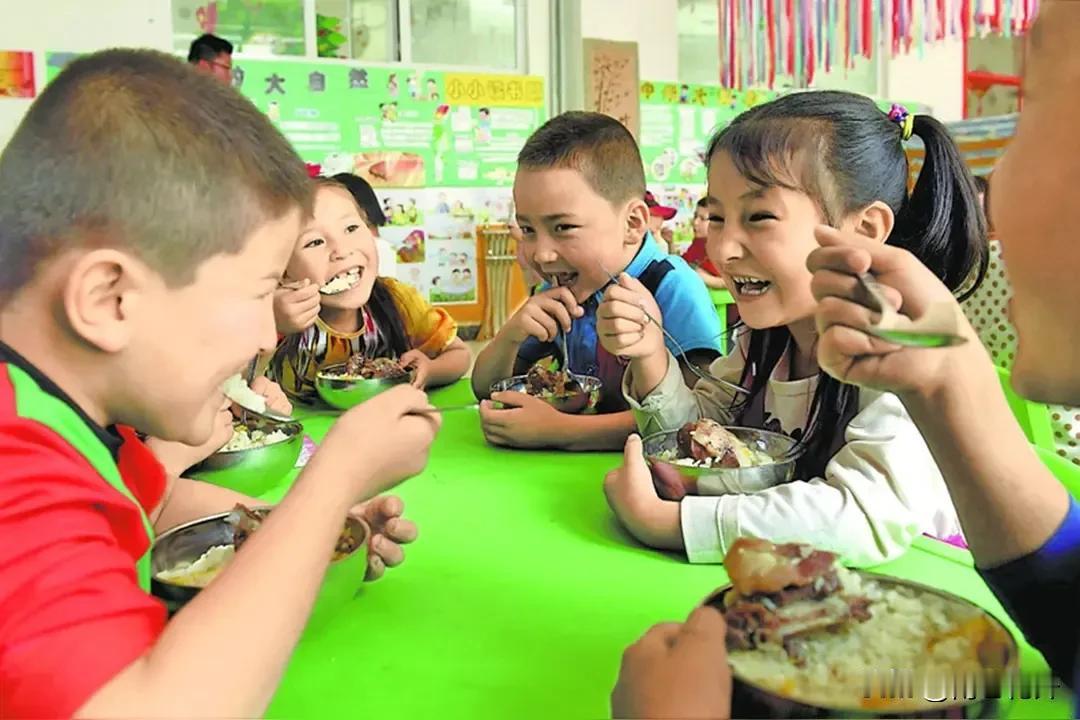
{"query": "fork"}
{"type": "Point", "coordinates": [701, 375]}
{"type": "Point", "coordinates": [938, 327]}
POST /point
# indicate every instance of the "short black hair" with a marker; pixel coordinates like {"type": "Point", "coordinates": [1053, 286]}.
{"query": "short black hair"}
{"type": "Point", "coordinates": [364, 196]}
{"type": "Point", "coordinates": [703, 202]}
{"type": "Point", "coordinates": [133, 149]}
{"type": "Point", "coordinates": [596, 145]}
{"type": "Point", "coordinates": [208, 47]}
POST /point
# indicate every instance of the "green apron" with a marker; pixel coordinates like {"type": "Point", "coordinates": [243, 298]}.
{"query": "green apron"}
{"type": "Point", "coordinates": [33, 403]}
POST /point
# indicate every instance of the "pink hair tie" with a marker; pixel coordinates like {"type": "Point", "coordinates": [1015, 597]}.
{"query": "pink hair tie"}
{"type": "Point", "coordinates": [900, 115]}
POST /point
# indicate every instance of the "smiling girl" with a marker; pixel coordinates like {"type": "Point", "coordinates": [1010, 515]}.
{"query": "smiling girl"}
{"type": "Point", "coordinates": [357, 312]}
{"type": "Point", "coordinates": [865, 483]}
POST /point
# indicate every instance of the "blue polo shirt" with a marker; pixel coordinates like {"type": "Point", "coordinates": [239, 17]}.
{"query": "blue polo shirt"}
{"type": "Point", "coordinates": [688, 314]}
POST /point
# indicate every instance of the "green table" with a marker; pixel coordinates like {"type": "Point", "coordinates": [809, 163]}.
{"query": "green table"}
{"type": "Point", "coordinates": [521, 594]}
{"type": "Point", "coordinates": [722, 299]}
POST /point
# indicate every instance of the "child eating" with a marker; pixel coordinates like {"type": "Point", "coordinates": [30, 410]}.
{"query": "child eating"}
{"type": "Point", "coordinates": [865, 482]}
{"type": "Point", "coordinates": [357, 312]}
{"type": "Point", "coordinates": [578, 199]}
{"type": "Point", "coordinates": [146, 215]}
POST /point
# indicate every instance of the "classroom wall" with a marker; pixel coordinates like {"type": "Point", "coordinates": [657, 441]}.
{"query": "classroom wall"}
{"type": "Point", "coordinates": [936, 78]}
{"type": "Point", "coordinates": [653, 25]}
{"type": "Point", "coordinates": [77, 25]}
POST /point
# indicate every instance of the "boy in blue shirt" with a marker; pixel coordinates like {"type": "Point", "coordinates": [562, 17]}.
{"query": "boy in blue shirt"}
{"type": "Point", "coordinates": [578, 196]}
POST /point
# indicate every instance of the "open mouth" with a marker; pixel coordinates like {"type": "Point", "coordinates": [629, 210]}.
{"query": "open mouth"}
{"type": "Point", "coordinates": [345, 280]}
{"type": "Point", "coordinates": [562, 279]}
{"type": "Point", "coordinates": [746, 286]}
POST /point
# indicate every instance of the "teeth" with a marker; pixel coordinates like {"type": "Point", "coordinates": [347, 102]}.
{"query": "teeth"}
{"type": "Point", "coordinates": [341, 282]}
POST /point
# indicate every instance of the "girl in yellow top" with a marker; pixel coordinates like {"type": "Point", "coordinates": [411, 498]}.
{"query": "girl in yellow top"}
{"type": "Point", "coordinates": [334, 306]}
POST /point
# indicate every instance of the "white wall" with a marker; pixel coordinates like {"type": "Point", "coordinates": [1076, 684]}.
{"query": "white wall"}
{"type": "Point", "coordinates": [77, 25]}
{"type": "Point", "coordinates": [936, 78]}
{"type": "Point", "coordinates": [652, 24]}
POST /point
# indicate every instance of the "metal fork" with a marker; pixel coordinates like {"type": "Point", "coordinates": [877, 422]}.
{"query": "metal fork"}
{"type": "Point", "coordinates": [701, 375]}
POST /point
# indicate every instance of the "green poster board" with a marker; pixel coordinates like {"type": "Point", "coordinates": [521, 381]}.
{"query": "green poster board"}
{"type": "Point", "coordinates": [677, 121]}
{"type": "Point", "coordinates": [397, 127]}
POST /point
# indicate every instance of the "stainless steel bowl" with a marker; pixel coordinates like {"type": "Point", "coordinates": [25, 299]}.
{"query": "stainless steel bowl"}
{"type": "Point", "coordinates": [187, 542]}
{"type": "Point", "coordinates": [903, 698]}
{"type": "Point", "coordinates": [255, 471]}
{"type": "Point", "coordinates": [691, 480]}
{"type": "Point", "coordinates": [577, 403]}
{"type": "Point", "coordinates": [345, 393]}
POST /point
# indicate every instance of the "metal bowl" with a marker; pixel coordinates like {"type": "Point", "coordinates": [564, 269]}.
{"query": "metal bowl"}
{"type": "Point", "coordinates": [255, 471]}
{"type": "Point", "coordinates": [187, 542]}
{"type": "Point", "coordinates": [577, 403]}
{"type": "Point", "coordinates": [345, 393]}
{"type": "Point", "coordinates": [903, 697]}
{"type": "Point", "coordinates": [721, 481]}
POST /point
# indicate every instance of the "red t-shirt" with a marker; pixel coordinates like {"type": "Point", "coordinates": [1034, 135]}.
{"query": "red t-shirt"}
{"type": "Point", "coordinates": [72, 614]}
{"type": "Point", "coordinates": [695, 257]}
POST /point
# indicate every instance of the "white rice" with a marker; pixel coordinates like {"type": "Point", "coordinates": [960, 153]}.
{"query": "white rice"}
{"type": "Point", "coordinates": [198, 574]}
{"type": "Point", "coordinates": [237, 390]}
{"type": "Point", "coordinates": [928, 639]}
{"type": "Point", "coordinates": [246, 439]}
{"type": "Point", "coordinates": [341, 283]}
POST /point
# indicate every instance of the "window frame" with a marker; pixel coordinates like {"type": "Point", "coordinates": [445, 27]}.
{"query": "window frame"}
{"type": "Point", "coordinates": [400, 42]}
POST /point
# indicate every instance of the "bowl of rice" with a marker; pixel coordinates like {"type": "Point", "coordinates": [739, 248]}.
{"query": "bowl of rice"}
{"type": "Point", "coordinates": [257, 457]}
{"type": "Point", "coordinates": [921, 653]}
{"type": "Point", "coordinates": [567, 392]}
{"type": "Point", "coordinates": [343, 386]}
{"type": "Point", "coordinates": [758, 460]}
{"type": "Point", "coordinates": [187, 558]}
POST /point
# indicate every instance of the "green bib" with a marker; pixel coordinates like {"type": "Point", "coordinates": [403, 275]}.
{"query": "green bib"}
{"type": "Point", "coordinates": [33, 403]}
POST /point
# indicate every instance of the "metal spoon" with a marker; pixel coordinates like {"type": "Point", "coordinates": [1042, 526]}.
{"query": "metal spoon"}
{"type": "Point", "coordinates": [938, 327]}
{"type": "Point", "coordinates": [265, 412]}
{"type": "Point", "coordinates": [445, 409]}
{"type": "Point", "coordinates": [701, 375]}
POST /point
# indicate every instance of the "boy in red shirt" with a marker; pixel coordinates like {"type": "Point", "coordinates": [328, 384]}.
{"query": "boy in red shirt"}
{"type": "Point", "coordinates": [146, 216]}
{"type": "Point", "coordinates": [695, 255]}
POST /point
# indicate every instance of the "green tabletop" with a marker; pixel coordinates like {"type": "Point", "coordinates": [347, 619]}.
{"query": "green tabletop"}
{"type": "Point", "coordinates": [521, 594]}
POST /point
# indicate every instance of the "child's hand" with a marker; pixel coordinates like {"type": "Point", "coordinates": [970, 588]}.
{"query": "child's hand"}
{"type": "Point", "coordinates": [275, 396]}
{"type": "Point", "coordinates": [542, 317]}
{"type": "Point", "coordinates": [851, 355]}
{"type": "Point", "coordinates": [623, 324]}
{"type": "Point", "coordinates": [526, 422]}
{"type": "Point", "coordinates": [177, 457]}
{"type": "Point", "coordinates": [379, 443]}
{"type": "Point", "coordinates": [632, 496]}
{"type": "Point", "coordinates": [677, 671]}
{"type": "Point", "coordinates": [420, 364]}
{"type": "Point", "coordinates": [295, 308]}
{"type": "Point", "coordinates": [389, 531]}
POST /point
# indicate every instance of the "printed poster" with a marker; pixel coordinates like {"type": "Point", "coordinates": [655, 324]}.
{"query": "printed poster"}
{"type": "Point", "coordinates": [396, 127]}
{"type": "Point", "coordinates": [17, 74]}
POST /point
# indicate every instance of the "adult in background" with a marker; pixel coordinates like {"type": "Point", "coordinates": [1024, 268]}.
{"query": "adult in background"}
{"type": "Point", "coordinates": [213, 56]}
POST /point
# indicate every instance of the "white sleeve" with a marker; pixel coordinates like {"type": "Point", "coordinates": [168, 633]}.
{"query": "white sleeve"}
{"type": "Point", "coordinates": [672, 404]}
{"type": "Point", "coordinates": [880, 491]}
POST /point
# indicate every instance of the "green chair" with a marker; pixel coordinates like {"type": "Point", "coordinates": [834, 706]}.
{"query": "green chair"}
{"type": "Point", "coordinates": [721, 300]}
{"type": "Point", "coordinates": [1064, 470]}
{"type": "Point", "coordinates": [1034, 418]}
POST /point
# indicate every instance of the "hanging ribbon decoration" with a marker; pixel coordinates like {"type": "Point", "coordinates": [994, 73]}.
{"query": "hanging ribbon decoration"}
{"type": "Point", "coordinates": [764, 39]}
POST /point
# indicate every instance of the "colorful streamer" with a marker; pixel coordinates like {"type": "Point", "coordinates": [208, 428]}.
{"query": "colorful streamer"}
{"type": "Point", "coordinates": [761, 39]}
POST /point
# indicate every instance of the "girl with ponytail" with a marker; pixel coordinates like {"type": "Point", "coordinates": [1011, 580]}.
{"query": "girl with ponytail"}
{"type": "Point", "coordinates": [865, 483]}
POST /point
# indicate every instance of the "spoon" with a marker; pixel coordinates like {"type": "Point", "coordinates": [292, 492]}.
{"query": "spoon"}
{"type": "Point", "coordinates": [445, 409]}
{"type": "Point", "coordinates": [707, 377]}
{"type": "Point", "coordinates": [247, 400]}
{"type": "Point", "coordinates": [938, 327]}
